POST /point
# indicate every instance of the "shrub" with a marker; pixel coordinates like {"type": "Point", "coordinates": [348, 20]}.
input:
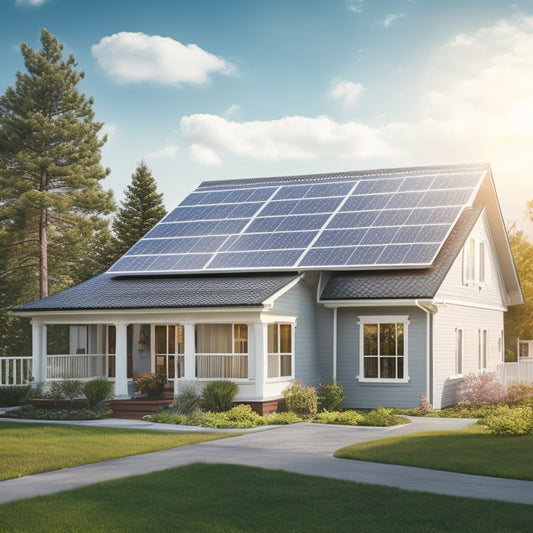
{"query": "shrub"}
{"type": "Point", "coordinates": [97, 390]}
{"type": "Point", "coordinates": [55, 391]}
{"type": "Point", "coordinates": [520, 393]}
{"type": "Point", "coordinates": [345, 418]}
{"type": "Point", "coordinates": [187, 402]}
{"type": "Point", "coordinates": [149, 383]}
{"type": "Point", "coordinates": [167, 417]}
{"type": "Point", "coordinates": [217, 396]}
{"type": "Point", "coordinates": [505, 420]}
{"type": "Point", "coordinates": [282, 419]}
{"type": "Point", "coordinates": [380, 417]}
{"type": "Point", "coordinates": [481, 389]}
{"type": "Point", "coordinates": [30, 412]}
{"type": "Point", "coordinates": [425, 407]}
{"type": "Point", "coordinates": [300, 399]}
{"type": "Point", "coordinates": [330, 396]}
{"type": "Point", "coordinates": [71, 388]}
{"type": "Point", "coordinates": [241, 416]}
{"type": "Point", "coordinates": [11, 396]}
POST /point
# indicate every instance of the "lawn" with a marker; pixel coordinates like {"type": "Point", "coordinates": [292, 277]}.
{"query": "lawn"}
{"type": "Point", "coordinates": [32, 448]}
{"type": "Point", "coordinates": [470, 451]}
{"type": "Point", "coordinates": [224, 498]}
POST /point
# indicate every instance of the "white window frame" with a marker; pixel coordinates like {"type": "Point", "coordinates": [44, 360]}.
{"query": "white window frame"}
{"type": "Point", "coordinates": [459, 351]}
{"type": "Point", "coordinates": [279, 353]}
{"type": "Point", "coordinates": [475, 262]}
{"type": "Point", "coordinates": [384, 319]}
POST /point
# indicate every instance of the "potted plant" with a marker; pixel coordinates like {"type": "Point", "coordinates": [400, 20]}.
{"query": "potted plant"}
{"type": "Point", "coordinates": [149, 383]}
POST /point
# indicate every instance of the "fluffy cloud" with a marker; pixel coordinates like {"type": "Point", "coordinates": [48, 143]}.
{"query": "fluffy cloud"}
{"type": "Point", "coordinates": [293, 137]}
{"type": "Point", "coordinates": [135, 57]}
{"type": "Point", "coordinates": [166, 152]}
{"type": "Point", "coordinates": [204, 155]}
{"type": "Point", "coordinates": [389, 19]}
{"type": "Point", "coordinates": [347, 91]}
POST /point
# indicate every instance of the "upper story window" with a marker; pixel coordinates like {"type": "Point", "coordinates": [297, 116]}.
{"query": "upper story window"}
{"type": "Point", "coordinates": [383, 348]}
{"type": "Point", "coordinates": [474, 262]}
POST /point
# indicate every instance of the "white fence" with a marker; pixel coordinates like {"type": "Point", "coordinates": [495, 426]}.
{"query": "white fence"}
{"type": "Point", "coordinates": [78, 366]}
{"type": "Point", "coordinates": [510, 373]}
{"type": "Point", "coordinates": [15, 371]}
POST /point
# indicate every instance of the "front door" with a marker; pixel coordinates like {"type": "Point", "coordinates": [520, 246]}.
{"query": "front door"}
{"type": "Point", "coordinates": [168, 349]}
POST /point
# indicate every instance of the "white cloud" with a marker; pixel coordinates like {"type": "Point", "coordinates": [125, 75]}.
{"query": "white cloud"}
{"type": "Point", "coordinates": [166, 152]}
{"type": "Point", "coordinates": [347, 91]}
{"type": "Point", "coordinates": [136, 57]}
{"type": "Point", "coordinates": [232, 111]}
{"type": "Point", "coordinates": [30, 2]}
{"type": "Point", "coordinates": [389, 19]}
{"type": "Point", "coordinates": [356, 7]}
{"type": "Point", "coordinates": [293, 137]}
{"type": "Point", "coordinates": [204, 155]}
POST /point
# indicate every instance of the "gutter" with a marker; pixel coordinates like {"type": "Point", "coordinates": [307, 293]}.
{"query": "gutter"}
{"type": "Point", "coordinates": [430, 310]}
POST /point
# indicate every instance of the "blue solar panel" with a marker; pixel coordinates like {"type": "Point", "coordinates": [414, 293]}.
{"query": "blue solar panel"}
{"type": "Point", "coordinates": [385, 219]}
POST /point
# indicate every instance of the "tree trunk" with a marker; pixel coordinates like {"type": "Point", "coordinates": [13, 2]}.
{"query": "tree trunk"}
{"type": "Point", "coordinates": [43, 243]}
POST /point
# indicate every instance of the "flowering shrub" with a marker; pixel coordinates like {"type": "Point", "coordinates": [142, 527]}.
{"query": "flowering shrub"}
{"type": "Point", "coordinates": [300, 399]}
{"type": "Point", "coordinates": [149, 383]}
{"type": "Point", "coordinates": [481, 389]}
{"type": "Point", "coordinates": [425, 407]}
{"type": "Point", "coordinates": [520, 393]}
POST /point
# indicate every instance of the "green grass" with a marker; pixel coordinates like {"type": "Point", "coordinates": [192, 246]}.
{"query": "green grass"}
{"type": "Point", "coordinates": [470, 451]}
{"type": "Point", "coordinates": [224, 498]}
{"type": "Point", "coordinates": [33, 448]}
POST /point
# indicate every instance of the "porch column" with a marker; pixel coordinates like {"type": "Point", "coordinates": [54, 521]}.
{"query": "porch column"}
{"type": "Point", "coordinates": [121, 361]}
{"type": "Point", "coordinates": [38, 339]}
{"type": "Point", "coordinates": [261, 358]}
{"type": "Point", "coordinates": [189, 352]}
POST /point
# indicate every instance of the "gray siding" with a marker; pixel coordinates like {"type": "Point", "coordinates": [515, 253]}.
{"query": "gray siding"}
{"type": "Point", "coordinates": [368, 395]}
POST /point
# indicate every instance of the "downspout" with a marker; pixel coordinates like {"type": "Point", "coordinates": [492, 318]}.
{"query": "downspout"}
{"type": "Point", "coordinates": [334, 344]}
{"type": "Point", "coordinates": [429, 394]}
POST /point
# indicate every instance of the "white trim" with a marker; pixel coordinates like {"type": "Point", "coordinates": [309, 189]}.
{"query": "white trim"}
{"type": "Point", "coordinates": [470, 304]}
{"type": "Point", "coordinates": [374, 303]}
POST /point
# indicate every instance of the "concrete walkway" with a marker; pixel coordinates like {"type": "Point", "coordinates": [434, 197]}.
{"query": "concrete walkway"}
{"type": "Point", "coordinates": [300, 448]}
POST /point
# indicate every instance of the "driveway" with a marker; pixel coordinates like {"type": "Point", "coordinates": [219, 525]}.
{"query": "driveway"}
{"type": "Point", "coordinates": [300, 448]}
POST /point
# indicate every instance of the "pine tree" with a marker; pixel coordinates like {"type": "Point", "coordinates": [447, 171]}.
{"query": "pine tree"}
{"type": "Point", "coordinates": [139, 211]}
{"type": "Point", "coordinates": [51, 198]}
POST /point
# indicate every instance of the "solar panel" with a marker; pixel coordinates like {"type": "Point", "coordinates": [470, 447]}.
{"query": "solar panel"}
{"type": "Point", "coordinates": [396, 218]}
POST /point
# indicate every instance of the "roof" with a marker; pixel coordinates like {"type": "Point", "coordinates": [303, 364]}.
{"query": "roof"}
{"type": "Point", "coordinates": [403, 284]}
{"type": "Point", "coordinates": [383, 219]}
{"type": "Point", "coordinates": [122, 292]}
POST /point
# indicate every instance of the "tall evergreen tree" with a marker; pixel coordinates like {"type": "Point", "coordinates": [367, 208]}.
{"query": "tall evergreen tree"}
{"type": "Point", "coordinates": [51, 198]}
{"type": "Point", "coordinates": [139, 211]}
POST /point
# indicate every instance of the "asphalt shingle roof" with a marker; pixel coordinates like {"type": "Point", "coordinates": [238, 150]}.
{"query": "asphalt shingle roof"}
{"type": "Point", "coordinates": [403, 284]}
{"type": "Point", "coordinates": [116, 292]}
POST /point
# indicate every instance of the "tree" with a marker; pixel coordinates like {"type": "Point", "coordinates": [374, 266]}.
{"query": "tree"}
{"type": "Point", "coordinates": [141, 209]}
{"type": "Point", "coordinates": [51, 199]}
{"type": "Point", "coordinates": [518, 319]}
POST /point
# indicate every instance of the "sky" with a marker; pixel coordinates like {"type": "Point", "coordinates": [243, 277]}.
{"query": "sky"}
{"type": "Point", "coordinates": [223, 89]}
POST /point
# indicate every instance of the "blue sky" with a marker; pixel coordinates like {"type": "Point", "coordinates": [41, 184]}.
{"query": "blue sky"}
{"type": "Point", "coordinates": [232, 89]}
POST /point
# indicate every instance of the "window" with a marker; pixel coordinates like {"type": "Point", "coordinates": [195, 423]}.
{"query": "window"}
{"type": "Point", "coordinates": [169, 343]}
{"type": "Point", "coordinates": [383, 348]}
{"type": "Point", "coordinates": [459, 351]}
{"type": "Point", "coordinates": [279, 350]}
{"type": "Point", "coordinates": [221, 350]}
{"type": "Point", "coordinates": [474, 262]}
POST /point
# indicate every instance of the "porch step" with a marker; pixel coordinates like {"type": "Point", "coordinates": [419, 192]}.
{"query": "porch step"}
{"type": "Point", "coordinates": [136, 409]}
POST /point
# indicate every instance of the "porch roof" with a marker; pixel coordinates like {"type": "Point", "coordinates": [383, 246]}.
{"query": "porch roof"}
{"type": "Point", "coordinates": [404, 284]}
{"type": "Point", "coordinates": [108, 291]}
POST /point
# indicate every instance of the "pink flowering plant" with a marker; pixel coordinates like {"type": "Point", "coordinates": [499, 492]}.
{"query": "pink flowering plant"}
{"type": "Point", "coordinates": [149, 383]}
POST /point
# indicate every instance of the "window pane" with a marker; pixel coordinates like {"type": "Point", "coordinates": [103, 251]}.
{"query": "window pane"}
{"type": "Point", "coordinates": [180, 339]}
{"type": "Point", "coordinates": [400, 368]}
{"type": "Point", "coordinates": [285, 338]}
{"type": "Point", "coordinates": [160, 339]}
{"type": "Point", "coordinates": [481, 262]}
{"type": "Point", "coordinates": [272, 338]}
{"type": "Point", "coordinates": [213, 338]}
{"type": "Point", "coordinates": [371, 367]}
{"type": "Point", "coordinates": [273, 371]}
{"type": "Point", "coordinates": [285, 365]}
{"type": "Point", "coordinates": [111, 339]}
{"type": "Point", "coordinates": [400, 340]}
{"type": "Point", "coordinates": [241, 338]}
{"type": "Point", "coordinates": [388, 367]}
{"type": "Point", "coordinates": [370, 346]}
{"type": "Point", "coordinates": [387, 339]}
{"type": "Point", "coordinates": [171, 339]}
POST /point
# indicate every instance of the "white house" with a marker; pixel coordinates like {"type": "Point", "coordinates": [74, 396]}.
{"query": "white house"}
{"type": "Point", "coordinates": [393, 282]}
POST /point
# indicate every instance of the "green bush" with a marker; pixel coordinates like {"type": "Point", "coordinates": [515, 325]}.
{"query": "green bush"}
{"type": "Point", "coordinates": [167, 417]}
{"type": "Point", "coordinates": [345, 418]}
{"type": "Point", "coordinates": [330, 396]}
{"type": "Point", "coordinates": [282, 419]}
{"type": "Point", "coordinates": [98, 390]}
{"type": "Point", "coordinates": [11, 396]}
{"type": "Point", "coordinates": [300, 399]}
{"type": "Point", "coordinates": [380, 417]}
{"type": "Point", "coordinates": [241, 416]}
{"type": "Point", "coordinates": [505, 420]}
{"type": "Point", "coordinates": [30, 412]}
{"type": "Point", "coordinates": [217, 396]}
{"type": "Point", "coordinates": [55, 391]}
{"type": "Point", "coordinates": [187, 402]}
{"type": "Point", "coordinates": [71, 388]}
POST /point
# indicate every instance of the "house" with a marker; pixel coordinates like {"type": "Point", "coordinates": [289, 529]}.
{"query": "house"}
{"type": "Point", "coordinates": [393, 282]}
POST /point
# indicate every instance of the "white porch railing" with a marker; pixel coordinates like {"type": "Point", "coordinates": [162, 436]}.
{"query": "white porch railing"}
{"type": "Point", "coordinates": [222, 366]}
{"type": "Point", "coordinates": [510, 373]}
{"type": "Point", "coordinates": [15, 371]}
{"type": "Point", "coordinates": [76, 366]}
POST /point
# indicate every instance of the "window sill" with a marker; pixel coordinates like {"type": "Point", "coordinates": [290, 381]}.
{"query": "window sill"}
{"type": "Point", "coordinates": [378, 380]}
{"type": "Point", "coordinates": [282, 378]}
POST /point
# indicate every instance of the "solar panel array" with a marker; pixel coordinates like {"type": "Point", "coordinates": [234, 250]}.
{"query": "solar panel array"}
{"type": "Point", "coordinates": [395, 219]}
